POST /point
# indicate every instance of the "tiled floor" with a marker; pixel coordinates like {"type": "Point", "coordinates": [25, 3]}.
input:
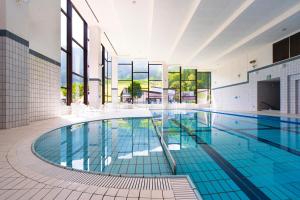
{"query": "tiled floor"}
{"type": "Point", "coordinates": [24, 176]}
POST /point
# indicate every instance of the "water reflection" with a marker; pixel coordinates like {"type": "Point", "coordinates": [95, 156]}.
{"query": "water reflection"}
{"type": "Point", "coordinates": [120, 146]}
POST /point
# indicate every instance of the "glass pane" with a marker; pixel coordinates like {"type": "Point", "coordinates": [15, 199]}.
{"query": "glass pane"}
{"type": "Point", "coordinates": [155, 72]}
{"type": "Point", "coordinates": [63, 95]}
{"type": "Point", "coordinates": [203, 80]}
{"type": "Point", "coordinates": [124, 72]}
{"type": "Point", "coordinates": [124, 61]}
{"type": "Point", "coordinates": [77, 59]}
{"type": "Point", "coordinates": [77, 27]}
{"type": "Point", "coordinates": [188, 86]}
{"type": "Point", "coordinates": [141, 78]}
{"type": "Point", "coordinates": [155, 92]}
{"type": "Point", "coordinates": [100, 89]}
{"type": "Point", "coordinates": [63, 5]}
{"type": "Point", "coordinates": [188, 99]}
{"type": "Point", "coordinates": [63, 69]}
{"type": "Point", "coordinates": [188, 74]}
{"type": "Point", "coordinates": [77, 89]}
{"type": "Point", "coordinates": [203, 96]}
{"type": "Point", "coordinates": [108, 87]}
{"type": "Point", "coordinates": [174, 80]}
{"type": "Point", "coordinates": [174, 95]}
{"type": "Point", "coordinates": [140, 66]}
{"type": "Point", "coordinates": [109, 68]}
{"type": "Point", "coordinates": [188, 94]}
{"type": "Point", "coordinates": [63, 31]}
{"type": "Point", "coordinates": [123, 92]}
{"type": "Point", "coordinates": [174, 68]}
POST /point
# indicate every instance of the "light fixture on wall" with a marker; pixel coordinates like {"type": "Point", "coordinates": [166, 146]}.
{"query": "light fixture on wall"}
{"type": "Point", "coordinates": [253, 63]}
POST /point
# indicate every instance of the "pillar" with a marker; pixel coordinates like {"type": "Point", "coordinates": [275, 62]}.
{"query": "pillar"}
{"type": "Point", "coordinates": [114, 80]}
{"type": "Point", "coordinates": [95, 52]}
{"type": "Point", "coordinates": [165, 86]}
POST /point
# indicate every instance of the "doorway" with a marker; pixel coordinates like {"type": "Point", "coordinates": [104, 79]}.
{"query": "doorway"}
{"type": "Point", "coordinates": [268, 95]}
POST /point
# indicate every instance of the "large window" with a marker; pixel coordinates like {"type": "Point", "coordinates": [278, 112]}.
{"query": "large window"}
{"type": "Point", "coordinates": [124, 80]}
{"type": "Point", "coordinates": [155, 84]}
{"type": "Point", "coordinates": [64, 51]}
{"type": "Point", "coordinates": [188, 85]}
{"type": "Point", "coordinates": [204, 87]}
{"type": "Point", "coordinates": [73, 55]}
{"type": "Point", "coordinates": [106, 75]}
{"type": "Point", "coordinates": [139, 82]}
{"type": "Point", "coordinates": [174, 78]}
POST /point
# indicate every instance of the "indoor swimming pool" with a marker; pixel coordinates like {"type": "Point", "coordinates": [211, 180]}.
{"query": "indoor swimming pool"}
{"type": "Point", "coordinates": [227, 156]}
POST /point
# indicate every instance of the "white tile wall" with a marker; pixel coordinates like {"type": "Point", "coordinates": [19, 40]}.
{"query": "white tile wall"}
{"type": "Point", "coordinates": [44, 86]}
{"type": "Point", "coordinates": [29, 86]}
{"type": "Point", "coordinates": [14, 83]}
{"type": "Point", "coordinates": [244, 97]}
{"type": "Point", "coordinates": [2, 82]}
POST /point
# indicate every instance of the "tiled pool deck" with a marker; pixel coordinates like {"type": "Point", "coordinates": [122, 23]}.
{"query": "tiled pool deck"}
{"type": "Point", "coordinates": [25, 176]}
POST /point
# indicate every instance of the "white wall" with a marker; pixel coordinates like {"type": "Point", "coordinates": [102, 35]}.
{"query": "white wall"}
{"type": "Point", "coordinates": [2, 14]}
{"type": "Point", "coordinates": [44, 26]}
{"type": "Point", "coordinates": [16, 17]}
{"type": "Point", "coordinates": [243, 97]}
{"type": "Point", "coordinates": [234, 70]}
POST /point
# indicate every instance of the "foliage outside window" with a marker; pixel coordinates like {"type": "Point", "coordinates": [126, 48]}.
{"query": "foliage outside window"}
{"type": "Point", "coordinates": [204, 87]}
{"type": "Point", "coordinates": [188, 85]}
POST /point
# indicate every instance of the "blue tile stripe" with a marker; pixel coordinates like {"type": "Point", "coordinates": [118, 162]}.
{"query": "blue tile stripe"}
{"type": "Point", "coordinates": [265, 117]}
{"type": "Point", "coordinates": [43, 57]}
{"type": "Point", "coordinates": [279, 146]}
{"type": "Point", "coordinates": [10, 35]}
{"type": "Point", "coordinates": [258, 69]}
{"type": "Point", "coordinates": [243, 182]}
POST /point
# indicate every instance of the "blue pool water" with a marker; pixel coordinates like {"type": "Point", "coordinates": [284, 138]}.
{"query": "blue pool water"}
{"type": "Point", "coordinates": [117, 146]}
{"type": "Point", "coordinates": [226, 156]}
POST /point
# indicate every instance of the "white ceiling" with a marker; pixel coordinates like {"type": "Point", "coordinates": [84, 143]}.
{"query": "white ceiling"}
{"type": "Point", "coordinates": [192, 32]}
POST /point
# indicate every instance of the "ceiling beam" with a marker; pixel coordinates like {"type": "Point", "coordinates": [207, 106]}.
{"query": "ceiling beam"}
{"type": "Point", "coordinates": [184, 26]}
{"type": "Point", "coordinates": [261, 30]}
{"type": "Point", "coordinates": [150, 29]}
{"type": "Point", "coordinates": [234, 16]}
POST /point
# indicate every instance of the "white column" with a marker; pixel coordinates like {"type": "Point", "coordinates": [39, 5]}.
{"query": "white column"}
{"type": "Point", "coordinates": [94, 60]}
{"type": "Point", "coordinates": [114, 80]}
{"type": "Point", "coordinates": [165, 85]}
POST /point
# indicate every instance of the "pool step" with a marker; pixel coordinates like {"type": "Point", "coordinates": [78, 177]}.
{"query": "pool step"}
{"type": "Point", "coordinates": [167, 152]}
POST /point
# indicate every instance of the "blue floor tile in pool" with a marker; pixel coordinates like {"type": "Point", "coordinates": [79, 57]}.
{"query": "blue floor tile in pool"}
{"type": "Point", "coordinates": [118, 146]}
{"type": "Point", "coordinates": [234, 157]}
{"type": "Point", "coordinates": [227, 156]}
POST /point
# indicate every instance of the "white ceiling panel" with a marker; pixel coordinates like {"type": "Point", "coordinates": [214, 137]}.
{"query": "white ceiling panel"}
{"type": "Point", "coordinates": [257, 15]}
{"type": "Point", "coordinates": [169, 17]}
{"type": "Point", "coordinates": [193, 32]}
{"type": "Point", "coordinates": [208, 17]}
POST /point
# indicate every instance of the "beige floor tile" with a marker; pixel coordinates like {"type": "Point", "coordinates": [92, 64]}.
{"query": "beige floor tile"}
{"type": "Point", "coordinates": [74, 195]}
{"type": "Point", "coordinates": [63, 194]}
{"type": "Point", "coordinates": [85, 196]}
